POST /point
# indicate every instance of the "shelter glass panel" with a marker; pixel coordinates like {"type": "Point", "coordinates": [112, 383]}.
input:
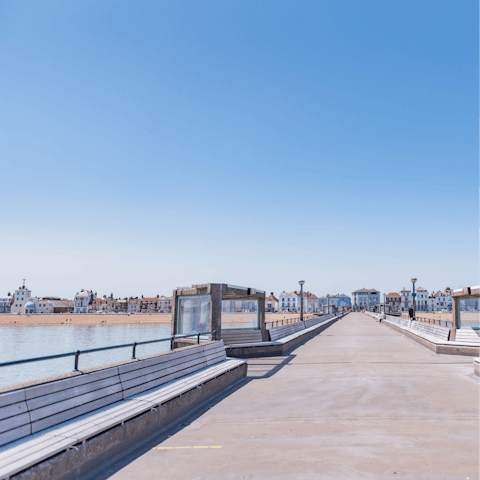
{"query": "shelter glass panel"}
{"type": "Point", "coordinates": [193, 314]}
{"type": "Point", "coordinates": [468, 313]}
{"type": "Point", "coordinates": [240, 314]}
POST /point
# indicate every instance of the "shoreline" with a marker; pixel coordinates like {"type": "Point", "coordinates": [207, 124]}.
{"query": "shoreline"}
{"type": "Point", "coordinates": [85, 319]}
{"type": "Point", "coordinates": [88, 319]}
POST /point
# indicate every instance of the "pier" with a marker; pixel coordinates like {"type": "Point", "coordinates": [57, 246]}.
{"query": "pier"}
{"type": "Point", "coordinates": [359, 400]}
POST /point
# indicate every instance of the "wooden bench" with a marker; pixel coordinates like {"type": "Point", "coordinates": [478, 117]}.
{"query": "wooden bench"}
{"type": "Point", "coordinates": [433, 330]}
{"type": "Point", "coordinates": [94, 402]}
{"type": "Point", "coordinates": [466, 335]}
{"type": "Point", "coordinates": [399, 320]}
{"type": "Point", "coordinates": [316, 320]}
{"type": "Point", "coordinates": [232, 337]}
{"type": "Point", "coordinates": [285, 330]}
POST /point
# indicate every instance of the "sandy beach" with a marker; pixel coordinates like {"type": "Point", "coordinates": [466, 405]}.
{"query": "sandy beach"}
{"type": "Point", "coordinates": [102, 319]}
{"type": "Point", "coordinates": [85, 319]}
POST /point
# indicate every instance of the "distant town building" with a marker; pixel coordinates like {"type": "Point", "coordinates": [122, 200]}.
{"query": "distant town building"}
{"type": "Point", "coordinates": [289, 302]}
{"type": "Point", "coordinates": [5, 303]}
{"type": "Point", "coordinates": [366, 298]}
{"type": "Point", "coordinates": [134, 305]}
{"type": "Point", "coordinates": [311, 303]}
{"type": "Point", "coordinates": [20, 298]}
{"type": "Point", "coordinates": [148, 304]}
{"type": "Point", "coordinates": [83, 300]}
{"type": "Point", "coordinates": [271, 304]}
{"type": "Point", "coordinates": [121, 305]}
{"type": "Point", "coordinates": [164, 304]}
{"type": "Point", "coordinates": [406, 299]}
{"type": "Point", "coordinates": [339, 300]}
{"type": "Point", "coordinates": [105, 304]}
{"type": "Point", "coordinates": [393, 301]}
{"type": "Point", "coordinates": [421, 300]}
{"type": "Point", "coordinates": [441, 301]}
{"type": "Point", "coordinates": [47, 305]}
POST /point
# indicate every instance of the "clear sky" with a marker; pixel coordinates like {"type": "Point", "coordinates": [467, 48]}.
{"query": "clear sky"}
{"type": "Point", "coordinates": [148, 145]}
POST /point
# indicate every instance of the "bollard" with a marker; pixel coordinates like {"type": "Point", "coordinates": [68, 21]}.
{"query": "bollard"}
{"type": "Point", "coordinates": [198, 339]}
{"type": "Point", "coordinates": [134, 350]}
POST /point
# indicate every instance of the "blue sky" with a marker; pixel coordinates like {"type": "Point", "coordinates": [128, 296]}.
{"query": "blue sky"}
{"type": "Point", "coordinates": [148, 145]}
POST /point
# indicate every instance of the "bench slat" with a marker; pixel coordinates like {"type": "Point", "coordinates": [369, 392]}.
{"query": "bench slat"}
{"type": "Point", "coordinates": [12, 410]}
{"type": "Point", "coordinates": [74, 412]}
{"type": "Point", "coordinates": [53, 409]}
{"type": "Point", "coordinates": [160, 359]}
{"type": "Point", "coordinates": [12, 397]}
{"type": "Point", "coordinates": [197, 363]}
{"type": "Point", "coordinates": [139, 372]}
{"type": "Point", "coordinates": [77, 392]}
{"type": "Point", "coordinates": [13, 422]}
{"type": "Point", "coordinates": [15, 434]}
{"type": "Point", "coordinates": [58, 385]}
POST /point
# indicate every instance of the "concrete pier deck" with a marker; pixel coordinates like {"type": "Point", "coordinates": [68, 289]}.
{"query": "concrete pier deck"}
{"type": "Point", "coordinates": [358, 401]}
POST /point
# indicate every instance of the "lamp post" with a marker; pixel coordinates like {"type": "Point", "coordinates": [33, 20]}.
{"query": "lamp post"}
{"type": "Point", "coordinates": [301, 282]}
{"type": "Point", "coordinates": [413, 280]}
{"type": "Point", "coordinates": [385, 303]}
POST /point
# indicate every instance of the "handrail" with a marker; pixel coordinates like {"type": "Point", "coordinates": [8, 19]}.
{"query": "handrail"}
{"type": "Point", "coordinates": [291, 320]}
{"type": "Point", "coordinates": [448, 323]}
{"type": "Point", "coordinates": [77, 353]}
{"type": "Point", "coordinates": [434, 320]}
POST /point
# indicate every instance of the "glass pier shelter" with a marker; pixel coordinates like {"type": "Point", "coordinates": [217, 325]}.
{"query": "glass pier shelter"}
{"type": "Point", "coordinates": [465, 309]}
{"type": "Point", "coordinates": [219, 307]}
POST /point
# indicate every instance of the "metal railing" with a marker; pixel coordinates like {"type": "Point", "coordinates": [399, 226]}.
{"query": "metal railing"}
{"type": "Point", "coordinates": [134, 346]}
{"type": "Point", "coordinates": [286, 321]}
{"type": "Point", "coordinates": [435, 321]}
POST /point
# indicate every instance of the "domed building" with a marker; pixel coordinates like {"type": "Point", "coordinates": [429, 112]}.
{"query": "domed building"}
{"type": "Point", "coordinates": [29, 307]}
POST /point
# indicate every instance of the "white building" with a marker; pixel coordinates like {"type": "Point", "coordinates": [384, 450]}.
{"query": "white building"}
{"type": "Point", "coordinates": [366, 298]}
{"type": "Point", "coordinates": [421, 300]}
{"type": "Point", "coordinates": [5, 303]}
{"type": "Point", "coordinates": [405, 299]}
{"type": "Point", "coordinates": [164, 304]}
{"type": "Point", "coordinates": [134, 305]}
{"type": "Point", "coordinates": [82, 301]}
{"type": "Point", "coordinates": [271, 304]}
{"type": "Point", "coordinates": [289, 302]}
{"type": "Point", "coordinates": [22, 294]}
{"type": "Point", "coordinates": [440, 300]}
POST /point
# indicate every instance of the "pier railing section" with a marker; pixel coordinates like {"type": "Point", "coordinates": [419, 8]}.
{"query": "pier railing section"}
{"type": "Point", "coordinates": [199, 336]}
{"type": "Point", "coordinates": [287, 321]}
{"type": "Point", "coordinates": [433, 321]}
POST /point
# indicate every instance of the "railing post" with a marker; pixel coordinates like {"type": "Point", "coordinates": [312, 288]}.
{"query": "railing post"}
{"type": "Point", "coordinates": [198, 339]}
{"type": "Point", "coordinates": [134, 350]}
{"type": "Point", "coordinates": [172, 342]}
{"type": "Point", "coordinates": [77, 354]}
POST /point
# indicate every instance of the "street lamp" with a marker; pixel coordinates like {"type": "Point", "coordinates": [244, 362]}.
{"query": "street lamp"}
{"type": "Point", "coordinates": [413, 280]}
{"type": "Point", "coordinates": [385, 303]}
{"type": "Point", "coordinates": [301, 282]}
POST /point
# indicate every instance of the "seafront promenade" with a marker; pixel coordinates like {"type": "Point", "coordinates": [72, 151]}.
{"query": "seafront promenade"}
{"type": "Point", "coordinates": [359, 400]}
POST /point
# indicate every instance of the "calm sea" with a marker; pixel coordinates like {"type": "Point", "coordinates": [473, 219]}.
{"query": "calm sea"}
{"type": "Point", "coordinates": [20, 342]}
